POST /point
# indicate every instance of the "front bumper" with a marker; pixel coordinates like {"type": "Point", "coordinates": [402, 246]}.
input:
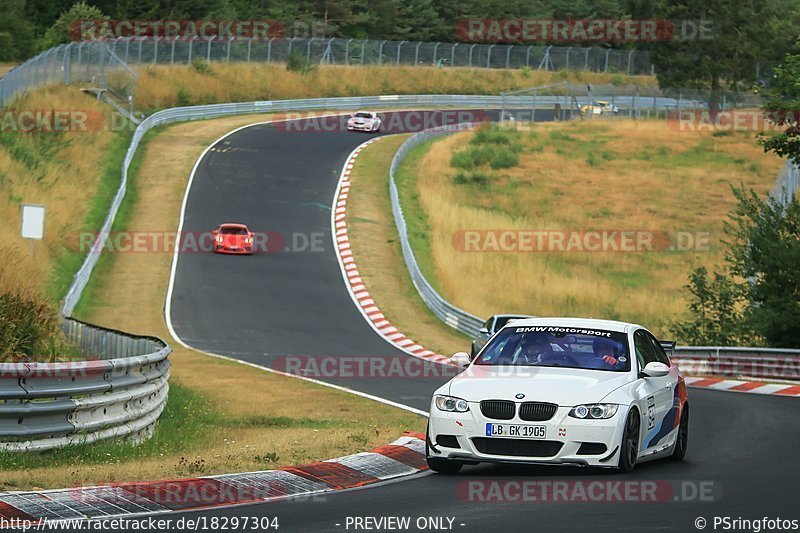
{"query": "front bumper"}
{"type": "Point", "coordinates": [359, 127]}
{"type": "Point", "coordinates": [567, 439]}
{"type": "Point", "coordinates": [243, 250]}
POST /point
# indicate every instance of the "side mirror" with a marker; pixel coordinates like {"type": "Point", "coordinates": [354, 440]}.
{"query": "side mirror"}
{"type": "Point", "coordinates": [215, 232]}
{"type": "Point", "coordinates": [460, 359]}
{"type": "Point", "coordinates": [655, 370]}
{"type": "Point", "coordinates": [483, 331]}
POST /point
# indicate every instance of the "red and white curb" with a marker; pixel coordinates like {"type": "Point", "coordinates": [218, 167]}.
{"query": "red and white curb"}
{"type": "Point", "coordinates": [372, 313]}
{"type": "Point", "coordinates": [403, 457]}
{"type": "Point", "coordinates": [352, 277]}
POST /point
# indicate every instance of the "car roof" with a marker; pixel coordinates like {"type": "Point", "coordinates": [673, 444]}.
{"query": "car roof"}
{"type": "Point", "coordinates": [568, 322]}
{"type": "Point", "coordinates": [367, 112]}
{"type": "Point", "coordinates": [511, 315]}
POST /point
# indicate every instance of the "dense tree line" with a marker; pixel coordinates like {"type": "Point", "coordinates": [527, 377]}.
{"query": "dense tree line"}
{"type": "Point", "coordinates": [747, 33]}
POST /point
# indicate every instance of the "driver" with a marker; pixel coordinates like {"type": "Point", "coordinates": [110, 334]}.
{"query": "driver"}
{"type": "Point", "coordinates": [604, 349]}
{"type": "Point", "coordinates": [535, 349]}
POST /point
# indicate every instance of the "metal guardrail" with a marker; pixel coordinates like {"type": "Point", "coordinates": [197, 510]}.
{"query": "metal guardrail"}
{"type": "Point", "coordinates": [120, 392]}
{"type": "Point", "coordinates": [763, 363]}
{"type": "Point", "coordinates": [451, 315]}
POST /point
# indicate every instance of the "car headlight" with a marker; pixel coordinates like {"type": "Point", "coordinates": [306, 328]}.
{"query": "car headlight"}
{"type": "Point", "coordinates": [219, 239]}
{"type": "Point", "coordinates": [451, 404]}
{"type": "Point", "coordinates": [594, 410]}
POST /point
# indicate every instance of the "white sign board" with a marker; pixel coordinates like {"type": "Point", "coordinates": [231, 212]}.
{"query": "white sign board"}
{"type": "Point", "coordinates": [32, 221]}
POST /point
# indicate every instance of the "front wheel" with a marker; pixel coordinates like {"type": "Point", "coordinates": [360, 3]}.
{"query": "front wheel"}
{"type": "Point", "coordinates": [629, 449]}
{"type": "Point", "coordinates": [682, 441]}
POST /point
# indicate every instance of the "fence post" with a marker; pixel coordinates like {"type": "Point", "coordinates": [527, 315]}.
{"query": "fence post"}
{"type": "Point", "coordinates": [608, 53]}
{"type": "Point", "coordinates": [435, 49]}
{"type": "Point", "coordinates": [489, 55]}
{"type": "Point", "coordinates": [191, 46]}
{"type": "Point", "coordinates": [141, 42]}
{"type": "Point", "coordinates": [380, 52]}
{"type": "Point", "coordinates": [208, 49]}
{"type": "Point", "coordinates": [569, 49]}
{"type": "Point", "coordinates": [249, 48]}
{"type": "Point", "coordinates": [347, 52]}
{"type": "Point", "coordinates": [453, 55]}
{"type": "Point", "coordinates": [228, 52]}
{"type": "Point", "coordinates": [416, 54]}
{"type": "Point", "coordinates": [508, 56]}
{"type": "Point", "coordinates": [155, 50]}
{"type": "Point", "coordinates": [630, 56]}
{"type": "Point", "coordinates": [269, 49]}
{"type": "Point", "coordinates": [470, 53]}
{"type": "Point", "coordinates": [172, 53]}
{"type": "Point", "coordinates": [398, 52]}
{"type": "Point", "coordinates": [363, 50]}
{"type": "Point", "coordinates": [586, 61]}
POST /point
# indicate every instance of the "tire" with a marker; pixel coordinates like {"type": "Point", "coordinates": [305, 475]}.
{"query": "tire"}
{"type": "Point", "coordinates": [439, 464]}
{"type": "Point", "coordinates": [682, 442]}
{"type": "Point", "coordinates": [629, 447]}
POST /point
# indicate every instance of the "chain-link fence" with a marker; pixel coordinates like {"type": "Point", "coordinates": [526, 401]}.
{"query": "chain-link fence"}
{"type": "Point", "coordinates": [372, 52]}
{"type": "Point", "coordinates": [94, 64]}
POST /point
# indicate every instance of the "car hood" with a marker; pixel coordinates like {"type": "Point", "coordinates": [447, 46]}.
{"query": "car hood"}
{"type": "Point", "coordinates": [233, 238]}
{"type": "Point", "coordinates": [562, 386]}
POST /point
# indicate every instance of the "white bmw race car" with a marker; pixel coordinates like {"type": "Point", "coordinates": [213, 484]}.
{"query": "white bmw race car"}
{"type": "Point", "coordinates": [364, 121]}
{"type": "Point", "coordinates": [561, 391]}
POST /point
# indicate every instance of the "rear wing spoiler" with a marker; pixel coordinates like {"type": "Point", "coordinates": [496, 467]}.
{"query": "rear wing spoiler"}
{"type": "Point", "coordinates": [669, 347]}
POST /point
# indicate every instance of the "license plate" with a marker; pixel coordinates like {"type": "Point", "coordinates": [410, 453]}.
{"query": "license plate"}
{"type": "Point", "coordinates": [516, 431]}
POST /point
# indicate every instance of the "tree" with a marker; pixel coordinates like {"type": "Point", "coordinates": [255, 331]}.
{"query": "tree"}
{"type": "Point", "coordinates": [716, 311]}
{"type": "Point", "coordinates": [765, 249]}
{"type": "Point", "coordinates": [16, 33]}
{"type": "Point", "coordinates": [782, 105]}
{"type": "Point", "coordinates": [64, 29]}
{"type": "Point", "coordinates": [727, 58]}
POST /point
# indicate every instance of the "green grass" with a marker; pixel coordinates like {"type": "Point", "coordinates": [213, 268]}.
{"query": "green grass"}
{"type": "Point", "coordinates": [416, 220]}
{"type": "Point", "coordinates": [67, 262]}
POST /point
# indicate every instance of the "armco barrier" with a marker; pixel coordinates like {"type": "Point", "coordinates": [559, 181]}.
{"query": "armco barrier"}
{"type": "Point", "coordinates": [119, 394]}
{"type": "Point", "coordinates": [760, 363]}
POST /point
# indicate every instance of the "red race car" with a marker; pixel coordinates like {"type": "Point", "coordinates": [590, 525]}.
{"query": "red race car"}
{"type": "Point", "coordinates": [231, 238]}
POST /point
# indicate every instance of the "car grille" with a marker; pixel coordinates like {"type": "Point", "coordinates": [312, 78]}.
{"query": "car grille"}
{"type": "Point", "coordinates": [517, 447]}
{"type": "Point", "coordinates": [537, 411]}
{"type": "Point", "coordinates": [498, 409]}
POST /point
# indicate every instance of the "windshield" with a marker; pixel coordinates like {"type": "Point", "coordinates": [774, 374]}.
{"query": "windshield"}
{"type": "Point", "coordinates": [557, 346]}
{"type": "Point", "coordinates": [227, 230]}
{"type": "Point", "coordinates": [362, 115]}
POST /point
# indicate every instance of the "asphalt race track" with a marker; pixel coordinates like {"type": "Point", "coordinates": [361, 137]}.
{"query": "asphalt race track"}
{"type": "Point", "coordinates": [742, 448]}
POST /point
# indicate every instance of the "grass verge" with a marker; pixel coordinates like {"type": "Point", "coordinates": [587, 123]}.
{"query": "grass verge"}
{"type": "Point", "coordinates": [161, 86]}
{"type": "Point", "coordinates": [376, 248]}
{"type": "Point", "coordinates": [578, 177]}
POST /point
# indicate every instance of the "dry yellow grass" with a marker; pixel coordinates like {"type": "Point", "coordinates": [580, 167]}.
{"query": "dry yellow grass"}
{"type": "Point", "coordinates": [139, 281]}
{"type": "Point", "coordinates": [163, 86]}
{"type": "Point", "coordinates": [64, 180]}
{"type": "Point", "coordinates": [5, 67]}
{"type": "Point", "coordinates": [376, 247]}
{"type": "Point", "coordinates": [605, 175]}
